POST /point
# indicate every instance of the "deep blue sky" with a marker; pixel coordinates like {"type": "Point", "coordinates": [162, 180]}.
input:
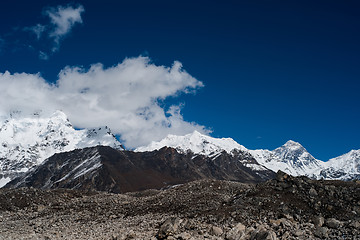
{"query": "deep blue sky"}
{"type": "Point", "coordinates": [273, 70]}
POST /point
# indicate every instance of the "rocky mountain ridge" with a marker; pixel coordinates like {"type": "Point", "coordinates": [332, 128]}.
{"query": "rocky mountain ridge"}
{"type": "Point", "coordinates": [106, 169]}
{"type": "Point", "coordinates": [291, 158]}
{"type": "Point", "coordinates": [26, 141]}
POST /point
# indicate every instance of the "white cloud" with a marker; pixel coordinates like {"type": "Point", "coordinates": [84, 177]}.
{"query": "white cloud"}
{"type": "Point", "coordinates": [38, 30]}
{"type": "Point", "coordinates": [43, 55]}
{"type": "Point", "coordinates": [124, 97]}
{"type": "Point", "coordinates": [63, 19]}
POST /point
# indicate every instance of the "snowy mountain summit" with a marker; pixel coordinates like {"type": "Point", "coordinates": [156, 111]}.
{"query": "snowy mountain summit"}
{"type": "Point", "coordinates": [196, 143]}
{"type": "Point", "coordinates": [344, 167]}
{"type": "Point", "coordinates": [291, 157]}
{"type": "Point", "coordinates": [26, 141]}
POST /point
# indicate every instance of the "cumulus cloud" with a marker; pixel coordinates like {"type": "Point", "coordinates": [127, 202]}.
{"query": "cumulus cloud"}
{"type": "Point", "coordinates": [63, 20]}
{"type": "Point", "coordinates": [125, 97]}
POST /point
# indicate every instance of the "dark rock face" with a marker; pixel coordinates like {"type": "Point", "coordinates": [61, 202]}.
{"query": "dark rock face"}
{"type": "Point", "coordinates": [106, 169]}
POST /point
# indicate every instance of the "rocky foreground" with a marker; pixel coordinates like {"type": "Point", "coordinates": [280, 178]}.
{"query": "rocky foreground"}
{"type": "Point", "coordinates": [283, 208]}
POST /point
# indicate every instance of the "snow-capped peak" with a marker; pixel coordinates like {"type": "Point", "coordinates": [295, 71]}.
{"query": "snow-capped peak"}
{"type": "Point", "coordinates": [293, 151]}
{"type": "Point", "coordinates": [60, 115]}
{"type": "Point", "coordinates": [293, 145]}
{"type": "Point", "coordinates": [349, 161]}
{"type": "Point", "coordinates": [291, 157]}
{"type": "Point", "coordinates": [26, 141]}
{"type": "Point", "coordinates": [195, 142]}
{"type": "Point", "coordinates": [344, 167]}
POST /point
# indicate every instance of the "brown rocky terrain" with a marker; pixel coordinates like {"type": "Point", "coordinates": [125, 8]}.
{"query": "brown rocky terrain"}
{"type": "Point", "coordinates": [283, 208]}
{"type": "Point", "coordinates": [106, 169]}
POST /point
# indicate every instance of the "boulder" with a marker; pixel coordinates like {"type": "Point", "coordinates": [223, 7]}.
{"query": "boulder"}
{"type": "Point", "coordinates": [261, 233]}
{"type": "Point", "coordinates": [333, 223]}
{"type": "Point", "coordinates": [216, 231]}
{"type": "Point", "coordinates": [236, 233]}
{"type": "Point", "coordinates": [169, 227]}
{"type": "Point", "coordinates": [313, 192]}
{"type": "Point", "coordinates": [281, 176]}
{"type": "Point", "coordinates": [318, 221]}
{"type": "Point", "coordinates": [321, 232]}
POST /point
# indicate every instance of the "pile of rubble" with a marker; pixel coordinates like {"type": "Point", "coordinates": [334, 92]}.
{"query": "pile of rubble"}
{"type": "Point", "coordinates": [284, 208]}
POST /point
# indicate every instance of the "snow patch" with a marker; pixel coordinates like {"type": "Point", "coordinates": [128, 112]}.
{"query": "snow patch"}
{"type": "Point", "coordinates": [4, 181]}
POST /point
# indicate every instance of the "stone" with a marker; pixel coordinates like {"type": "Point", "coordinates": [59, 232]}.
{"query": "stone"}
{"type": "Point", "coordinates": [321, 232]}
{"type": "Point", "coordinates": [285, 222]}
{"type": "Point", "coordinates": [333, 223]}
{"type": "Point", "coordinates": [271, 235]}
{"type": "Point", "coordinates": [169, 227]}
{"type": "Point", "coordinates": [183, 236]}
{"type": "Point", "coordinates": [329, 207]}
{"type": "Point", "coordinates": [318, 221]}
{"type": "Point", "coordinates": [285, 236]}
{"type": "Point", "coordinates": [131, 235]}
{"type": "Point", "coordinates": [261, 233]}
{"type": "Point", "coordinates": [275, 223]}
{"type": "Point", "coordinates": [40, 208]}
{"type": "Point", "coordinates": [313, 192]}
{"type": "Point", "coordinates": [299, 233]}
{"type": "Point", "coordinates": [249, 230]}
{"type": "Point", "coordinates": [281, 176]}
{"type": "Point", "coordinates": [216, 231]}
{"type": "Point", "coordinates": [355, 224]}
{"type": "Point", "coordinates": [240, 227]}
{"type": "Point", "coordinates": [236, 233]}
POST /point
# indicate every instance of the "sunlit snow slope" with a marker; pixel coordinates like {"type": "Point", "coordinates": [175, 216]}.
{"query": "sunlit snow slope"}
{"type": "Point", "coordinates": [27, 141]}
{"type": "Point", "coordinates": [344, 167]}
{"type": "Point", "coordinates": [197, 143]}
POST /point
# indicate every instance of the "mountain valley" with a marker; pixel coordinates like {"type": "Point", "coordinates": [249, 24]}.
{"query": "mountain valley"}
{"type": "Point", "coordinates": [63, 183]}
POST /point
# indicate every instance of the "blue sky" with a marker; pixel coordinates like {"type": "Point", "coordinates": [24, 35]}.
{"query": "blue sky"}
{"type": "Point", "coordinates": [271, 70]}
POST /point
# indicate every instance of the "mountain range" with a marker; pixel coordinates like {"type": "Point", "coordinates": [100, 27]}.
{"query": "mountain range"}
{"type": "Point", "coordinates": [103, 168]}
{"type": "Point", "coordinates": [291, 157]}
{"type": "Point", "coordinates": [26, 141]}
{"type": "Point", "coordinates": [49, 152]}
